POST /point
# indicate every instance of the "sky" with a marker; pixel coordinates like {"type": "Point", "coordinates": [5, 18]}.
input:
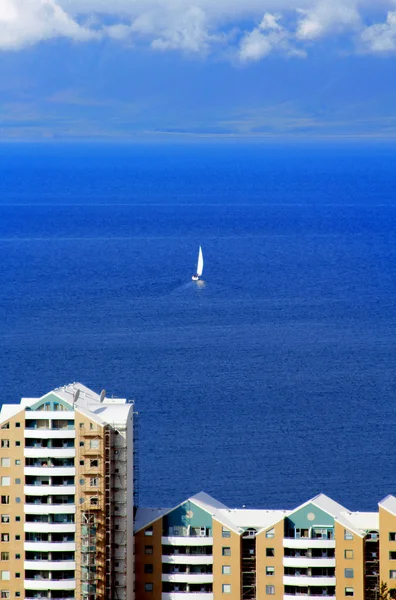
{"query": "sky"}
{"type": "Point", "coordinates": [166, 69]}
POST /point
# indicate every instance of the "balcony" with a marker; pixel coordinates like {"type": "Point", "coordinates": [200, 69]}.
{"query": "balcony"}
{"type": "Point", "coordinates": [50, 546]}
{"type": "Point", "coordinates": [50, 452]}
{"type": "Point", "coordinates": [45, 509]}
{"type": "Point", "coordinates": [48, 471]}
{"type": "Point", "coordinates": [307, 597]}
{"type": "Point", "coordinates": [49, 490]}
{"type": "Point", "coordinates": [305, 562]}
{"type": "Point", "coordinates": [188, 596]}
{"type": "Point", "coordinates": [187, 541]}
{"type": "Point", "coordinates": [190, 578]}
{"type": "Point", "coordinates": [50, 584]}
{"type": "Point", "coordinates": [306, 543]}
{"type": "Point", "coordinates": [50, 565]}
{"type": "Point", "coordinates": [304, 581]}
{"type": "Point", "coordinates": [188, 559]}
{"type": "Point", "coordinates": [38, 433]}
{"type": "Point", "coordinates": [49, 527]}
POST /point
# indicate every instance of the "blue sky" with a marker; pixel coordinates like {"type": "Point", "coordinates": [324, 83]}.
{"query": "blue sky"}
{"type": "Point", "coordinates": [148, 69]}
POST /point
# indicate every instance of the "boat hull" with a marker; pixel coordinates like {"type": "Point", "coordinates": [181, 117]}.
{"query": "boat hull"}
{"type": "Point", "coordinates": [195, 278]}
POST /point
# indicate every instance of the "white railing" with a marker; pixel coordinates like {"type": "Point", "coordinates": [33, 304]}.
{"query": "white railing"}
{"type": "Point", "coordinates": [306, 543]}
{"type": "Point", "coordinates": [304, 581]}
{"type": "Point", "coordinates": [294, 561]}
{"type": "Point", "coordinates": [187, 578]}
{"type": "Point", "coordinates": [188, 559]}
{"type": "Point", "coordinates": [187, 541]}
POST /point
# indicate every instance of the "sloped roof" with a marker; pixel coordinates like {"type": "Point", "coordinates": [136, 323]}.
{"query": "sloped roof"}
{"type": "Point", "coordinates": [389, 504]}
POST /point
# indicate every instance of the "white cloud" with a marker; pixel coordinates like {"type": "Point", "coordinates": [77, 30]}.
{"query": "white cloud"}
{"type": "Point", "coordinates": [264, 39]}
{"type": "Point", "coordinates": [381, 37]}
{"type": "Point", "coordinates": [325, 17]}
{"type": "Point", "coordinates": [26, 22]}
{"type": "Point", "coordinates": [288, 27]}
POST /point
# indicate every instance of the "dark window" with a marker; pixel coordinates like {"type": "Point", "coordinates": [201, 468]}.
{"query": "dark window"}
{"type": "Point", "coordinates": [392, 536]}
{"type": "Point", "coordinates": [17, 443]}
{"type": "Point", "coordinates": [148, 549]}
{"type": "Point", "coordinates": [148, 568]}
{"type": "Point", "coordinates": [226, 551]}
{"type": "Point", "coordinates": [17, 424]}
{"type": "Point", "coordinates": [148, 587]}
{"type": "Point", "coordinates": [270, 552]}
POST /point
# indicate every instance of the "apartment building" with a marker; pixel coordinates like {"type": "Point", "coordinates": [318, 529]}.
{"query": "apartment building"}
{"type": "Point", "coordinates": [203, 550]}
{"type": "Point", "coordinates": [66, 496]}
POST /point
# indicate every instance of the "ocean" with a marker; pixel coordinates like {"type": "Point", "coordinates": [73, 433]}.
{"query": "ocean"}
{"type": "Point", "coordinates": [273, 381]}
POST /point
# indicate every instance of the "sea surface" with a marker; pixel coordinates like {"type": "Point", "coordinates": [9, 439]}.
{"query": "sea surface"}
{"type": "Point", "coordinates": [272, 381]}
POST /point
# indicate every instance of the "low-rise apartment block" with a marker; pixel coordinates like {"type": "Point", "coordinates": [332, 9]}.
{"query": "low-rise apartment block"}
{"type": "Point", "coordinates": [203, 550]}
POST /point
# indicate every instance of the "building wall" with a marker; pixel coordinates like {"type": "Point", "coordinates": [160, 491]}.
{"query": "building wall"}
{"type": "Point", "coordinates": [387, 525]}
{"type": "Point", "coordinates": [141, 558]}
{"type": "Point", "coordinates": [234, 561]}
{"type": "Point", "coordinates": [89, 433]}
{"type": "Point", "coordinates": [14, 529]}
{"type": "Point", "coordinates": [356, 563]}
{"type": "Point", "coordinates": [263, 561]}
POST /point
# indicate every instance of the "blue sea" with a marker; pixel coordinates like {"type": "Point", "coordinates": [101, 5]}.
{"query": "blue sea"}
{"type": "Point", "coordinates": [270, 383]}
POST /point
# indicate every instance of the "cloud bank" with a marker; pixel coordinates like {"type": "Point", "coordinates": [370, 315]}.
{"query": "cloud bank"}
{"type": "Point", "coordinates": [247, 31]}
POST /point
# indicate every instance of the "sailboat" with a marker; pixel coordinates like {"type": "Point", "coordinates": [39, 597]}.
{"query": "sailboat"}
{"type": "Point", "coordinates": [199, 266]}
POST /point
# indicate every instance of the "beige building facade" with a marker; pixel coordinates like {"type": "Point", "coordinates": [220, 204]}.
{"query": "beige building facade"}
{"type": "Point", "coordinates": [202, 550]}
{"type": "Point", "coordinates": [66, 494]}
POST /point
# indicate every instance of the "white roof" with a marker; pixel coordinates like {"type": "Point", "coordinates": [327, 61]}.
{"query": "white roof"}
{"type": "Point", "coordinates": [255, 519]}
{"type": "Point", "coordinates": [110, 410]}
{"type": "Point", "coordinates": [389, 504]}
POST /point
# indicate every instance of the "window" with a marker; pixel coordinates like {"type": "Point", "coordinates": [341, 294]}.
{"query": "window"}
{"type": "Point", "coordinates": [93, 482]}
{"type": "Point", "coordinates": [348, 553]}
{"type": "Point", "coordinates": [17, 500]}
{"type": "Point", "coordinates": [82, 481]}
{"type": "Point", "coordinates": [6, 462]}
{"type": "Point", "coordinates": [270, 533]}
{"type": "Point", "coordinates": [348, 573]}
{"type": "Point", "coordinates": [17, 443]}
{"type": "Point", "coordinates": [17, 537]}
{"type": "Point", "coordinates": [5, 594]}
{"type": "Point", "coordinates": [148, 549]}
{"type": "Point", "coordinates": [226, 588]}
{"type": "Point", "coordinates": [5, 537]}
{"type": "Point", "coordinates": [392, 574]}
{"type": "Point", "coordinates": [94, 501]}
{"type": "Point", "coordinates": [5, 575]}
{"type": "Point", "coordinates": [226, 570]}
{"type": "Point", "coordinates": [392, 555]}
{"type": "Point", "coordinates": [4, 499]}
{"type": "Point", "coordinates": [226, 551]}
{"type": "Point", "coordinates": [81, 444]}
{"type": "Point", "coordinates": [17, 481]}
{"type": "Point", "coordinates": [17, 594]}
{"type": "Point", "coordinates": [148, 568]}
{"type": "Point", "coordinates": [269, 552]}
{"type": "Point", "coordinates": [17, 424]}
{"type": "Point", "coordinates": [81, 425]}
{"type": "Point", "coordinates": [94, 463]}
{"type": "Point", "coordinates": [270, 570]}
{"type": "Point", "coordinates": [225, 533]}
{"type": "Point", "coordinates": [5, 556]}
{"type": "Point", "coordinates": [5, 426]}
{"type": "Point", "coordinates": [5, 518]}
{"type": "Point", "coordinates": [348, 535]}
{"type": "Point", "coordinates": [5, 443]}
{"type": "Point", "coordinates": [5, 481]}
{"type": "Point", "coordinates": [270, 590]}
{"type": "Point", "coordinates": [82, 463]}
{"type": "Point", "coordinates": [392, 536]}
{"type": "Point", "coordinates": [17, 556]}
{"type": "Point", "coordinates": [17, 519]}
{"type": "Point", "coordinates": [148, 587]}
{"type": "Point", "coordinates": [349, 592]}
{"type": "Point", "coordinates": [18, 575]}
{"type": "Point", "coordinates": [94, 444]}
{"type": "Point", "coordinates": [148, 531]}
{"type": "Point", "coordinates": [17, 461]}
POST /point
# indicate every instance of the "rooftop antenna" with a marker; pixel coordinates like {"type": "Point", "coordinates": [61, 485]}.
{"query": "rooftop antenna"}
{"type": "Point", "coordinates": [75, 396]}
{"type": "Point", "coordinates": [102, 395]}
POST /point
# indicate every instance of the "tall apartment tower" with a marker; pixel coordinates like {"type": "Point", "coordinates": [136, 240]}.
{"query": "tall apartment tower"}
{"type": "Point", "coordinates": [66, 477]}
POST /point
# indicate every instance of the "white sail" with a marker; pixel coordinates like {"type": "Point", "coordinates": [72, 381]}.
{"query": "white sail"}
{"type": "Point", "coordinates": [200, 262]}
